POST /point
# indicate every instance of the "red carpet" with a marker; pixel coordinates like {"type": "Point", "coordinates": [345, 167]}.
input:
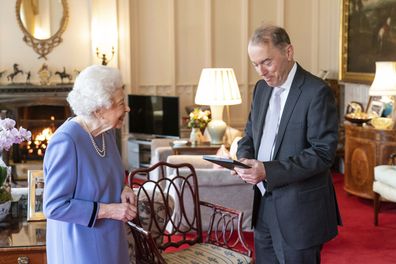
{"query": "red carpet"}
{"type": "Point", "coordinates": [359, 241]}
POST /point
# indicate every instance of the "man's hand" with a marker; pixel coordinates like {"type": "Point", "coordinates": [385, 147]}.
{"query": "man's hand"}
{"type": "Point", "coordinates": [253, 175]}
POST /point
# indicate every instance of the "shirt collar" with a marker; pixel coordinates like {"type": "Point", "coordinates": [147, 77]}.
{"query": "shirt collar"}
{"type": "Point", "coordinates": [287, 84]}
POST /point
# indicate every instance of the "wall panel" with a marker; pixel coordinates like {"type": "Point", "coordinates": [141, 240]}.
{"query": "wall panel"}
{"type": "Point", "coordinates": [190, 40]}
{"type": "Point", "coordinates": [154, 42]}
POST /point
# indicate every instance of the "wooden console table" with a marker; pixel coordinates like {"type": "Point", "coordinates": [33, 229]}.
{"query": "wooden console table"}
{"type": "Point", "coordinates": [200, 149]}
{"type": "Point", "coordinates": [22, 242]}
{"type": "Point", "coordinates": [365, 148]}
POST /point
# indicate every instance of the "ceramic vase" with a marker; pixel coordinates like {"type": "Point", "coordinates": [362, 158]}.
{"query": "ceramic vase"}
{"type": "Point", "coordinates": [195, 136]}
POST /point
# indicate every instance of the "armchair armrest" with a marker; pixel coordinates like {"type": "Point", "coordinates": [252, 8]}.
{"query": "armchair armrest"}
{"type": "Point", "coordinates": [225, 228]}
{"type": "Point", "coordinates": [196, 160]}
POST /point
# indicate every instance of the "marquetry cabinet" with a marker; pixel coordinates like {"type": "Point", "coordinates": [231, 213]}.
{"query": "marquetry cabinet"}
{"type": "Point", "coordinates": [365, 147]}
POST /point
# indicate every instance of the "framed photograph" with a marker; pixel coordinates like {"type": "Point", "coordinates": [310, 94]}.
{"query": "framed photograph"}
{"type": "Point", "coordinates": [35, 195]}
{"type": "Point", "coordinates": [367, 35]}
{"type": "Point", "coordinates": [375, 106]}
{"type": "Point", "coordinates": [37, 232]}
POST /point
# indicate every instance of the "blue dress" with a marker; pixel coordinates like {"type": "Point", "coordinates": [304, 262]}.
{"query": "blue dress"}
{"type": "Point", "coordinates": [77, 179]}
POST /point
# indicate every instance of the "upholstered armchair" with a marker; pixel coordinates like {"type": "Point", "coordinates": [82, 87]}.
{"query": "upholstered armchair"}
{"type": "Point", "coordinates": [384, 185]}
{"type": "Point", "coordinates": [217, 185]}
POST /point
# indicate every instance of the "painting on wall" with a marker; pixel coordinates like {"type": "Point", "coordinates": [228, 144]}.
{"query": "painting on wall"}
{"type": "Point", "coordinates": [368, 34]}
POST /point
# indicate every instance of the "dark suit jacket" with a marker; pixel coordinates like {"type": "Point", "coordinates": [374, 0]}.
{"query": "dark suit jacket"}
{"type": "Point", "coordinates": [299, 175]}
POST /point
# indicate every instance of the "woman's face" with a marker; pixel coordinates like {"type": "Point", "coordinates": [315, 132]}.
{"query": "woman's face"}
{"type": "Point", "coordinates": [113, 117]}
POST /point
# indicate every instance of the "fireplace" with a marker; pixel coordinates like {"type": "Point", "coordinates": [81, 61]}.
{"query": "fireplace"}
{"type": "Point", "coordinates": [40, 109]}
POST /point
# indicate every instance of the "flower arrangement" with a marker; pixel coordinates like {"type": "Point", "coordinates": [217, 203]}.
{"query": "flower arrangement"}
{"type": "Point", "coordinates": [9, 135]}
{"type": "Point", "coordinates": [199, 118]}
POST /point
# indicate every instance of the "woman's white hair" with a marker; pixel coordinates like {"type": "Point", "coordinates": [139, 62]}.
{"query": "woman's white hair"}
{"type": "Point", "coordinates": [93, 89]}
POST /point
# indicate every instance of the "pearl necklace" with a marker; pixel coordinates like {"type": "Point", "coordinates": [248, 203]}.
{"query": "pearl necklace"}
{"type": "Point", "coordinates": [101, 152]}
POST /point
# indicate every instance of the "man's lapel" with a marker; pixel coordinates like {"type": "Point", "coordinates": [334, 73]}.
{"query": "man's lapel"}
{"type": "Point", "coordinates": [292, 98]}
{"type": "Point", "coordinates": [262, 104]}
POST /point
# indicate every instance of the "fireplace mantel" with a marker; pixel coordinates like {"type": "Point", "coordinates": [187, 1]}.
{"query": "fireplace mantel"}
{"type": "Point", "coordinates": [31, 94]}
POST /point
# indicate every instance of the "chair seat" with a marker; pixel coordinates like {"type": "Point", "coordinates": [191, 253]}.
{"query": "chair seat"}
{"type": "Point", "coordinates": [385, 174]}
{"type": "Point", "coordinates": [386, 191]}
{"type": "Point", "coordinates": [205, 253]}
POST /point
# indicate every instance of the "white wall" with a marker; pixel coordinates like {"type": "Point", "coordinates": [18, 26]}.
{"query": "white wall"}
{"type": "Point", "coordinates": [164, 44]}
{"type": "Point", "coordinates": [73, 53]}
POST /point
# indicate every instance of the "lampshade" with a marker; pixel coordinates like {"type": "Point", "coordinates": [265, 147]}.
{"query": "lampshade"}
{"type": "Point", "coordinates": [218, 86]}
{"type": "Point", "coordinates": [385, 79]}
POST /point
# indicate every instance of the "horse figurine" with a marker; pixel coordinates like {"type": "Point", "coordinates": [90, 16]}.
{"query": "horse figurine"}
{"type": "Point", "coordinates": [1, 73]}
{"type": "Point", "coordinates": [63, 75]}
{"type": "Point", "coordinates": [10, 77]}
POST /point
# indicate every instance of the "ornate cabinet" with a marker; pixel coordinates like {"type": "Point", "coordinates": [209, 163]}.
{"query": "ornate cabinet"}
{"type": "Point", "coordinates": [365, 147]}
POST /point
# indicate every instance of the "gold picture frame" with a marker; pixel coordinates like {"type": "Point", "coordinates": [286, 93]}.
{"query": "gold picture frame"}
{"type": "Point", "coordinates": [35, 195]}
{"type": "Point", "coordinates": [366, 37]}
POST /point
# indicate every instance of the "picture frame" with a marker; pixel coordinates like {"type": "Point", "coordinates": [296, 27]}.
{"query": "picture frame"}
{"type": "Point", "coordinates": [35, 195]}
{"type": "Point", "coordinates": [366, 28]}
{"type": "Point", "coordinates": [37, 232]}
{"type": "Point", "coordinates": [375, 106]}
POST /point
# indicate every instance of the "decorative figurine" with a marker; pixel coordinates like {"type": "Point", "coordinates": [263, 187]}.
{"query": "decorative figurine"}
{"type": "Point", "coordinates": [28, 75]}
{"type": "Point", "coordinates": [44, 74]}
{"type": "Point", "coordinates": [10, 77]}
{"type": "Point", "coordinates": [1, 73]}
{"type": "Point", "coordinates": [64, 75]}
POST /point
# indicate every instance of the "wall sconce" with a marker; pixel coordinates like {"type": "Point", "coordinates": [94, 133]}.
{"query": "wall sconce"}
{"type": "Point", "coordinates": [103, 57]}
{"type": "Point", "coordinates": [104, 32]}
{"type": "Point", "coordinates": [217, 87]}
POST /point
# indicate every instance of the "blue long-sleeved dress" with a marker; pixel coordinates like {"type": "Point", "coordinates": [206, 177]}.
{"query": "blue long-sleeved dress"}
{"type": "Point", "coordinates": [77, 179]}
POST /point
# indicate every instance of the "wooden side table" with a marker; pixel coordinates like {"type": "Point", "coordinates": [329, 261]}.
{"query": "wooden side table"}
{"type": "Point", "coordinates": [200, 149]}
{"type": "Point", "coordinates": [365, 148]}
{"type": "Point", "coordinates": [22, 241]}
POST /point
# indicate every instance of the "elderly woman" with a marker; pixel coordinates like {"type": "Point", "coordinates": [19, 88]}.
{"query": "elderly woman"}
{"type": "Point", "coordinates": [85, 200]}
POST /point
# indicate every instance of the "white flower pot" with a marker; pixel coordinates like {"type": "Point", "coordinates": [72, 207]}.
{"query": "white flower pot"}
{"type": "Point", "coordinates": [4, 209]}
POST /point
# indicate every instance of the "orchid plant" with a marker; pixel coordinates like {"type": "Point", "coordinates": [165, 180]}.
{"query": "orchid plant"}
{"type": "Point", "coordinates": [9, 135]}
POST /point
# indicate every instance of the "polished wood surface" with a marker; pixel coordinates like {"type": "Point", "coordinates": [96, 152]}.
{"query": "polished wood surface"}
{"type": "Point", "coordinates": [21, 240]}
{"type": "Point", "coordinates": [365, 148]}
{"type": "Point", "coordinates": [198, 149]}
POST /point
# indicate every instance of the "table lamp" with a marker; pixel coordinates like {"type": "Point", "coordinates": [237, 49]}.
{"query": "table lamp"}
{"type": "Point", "coordinates": [217, 87]}
{"type": "Point", "coordinates": [384, 84]}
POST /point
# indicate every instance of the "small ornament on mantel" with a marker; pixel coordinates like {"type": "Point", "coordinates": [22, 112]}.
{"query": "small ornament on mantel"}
{"type": "Point", "coordinates": [44, 74]}
{"type": "Point", "coordinates": [64, 75]}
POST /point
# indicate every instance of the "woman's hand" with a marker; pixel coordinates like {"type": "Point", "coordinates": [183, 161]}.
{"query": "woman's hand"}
{"type": "Point", "coordinates": [119, 211]}
{"type": "Point", "coordinates": [128, 196]}
{"type": "Point", "coordinates": [124, 211]}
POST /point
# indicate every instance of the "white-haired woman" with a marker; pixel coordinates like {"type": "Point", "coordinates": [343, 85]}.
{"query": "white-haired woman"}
{"type": "Point", "coordinates": [85, 200]}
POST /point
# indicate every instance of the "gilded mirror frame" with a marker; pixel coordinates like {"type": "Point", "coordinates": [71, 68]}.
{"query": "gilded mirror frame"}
{"type": "Point", "coordinates": [43, 46]}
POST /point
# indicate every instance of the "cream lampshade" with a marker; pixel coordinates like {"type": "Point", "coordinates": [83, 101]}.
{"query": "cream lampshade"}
{"type": "Point", "coordinates": [217, 87]}
{"type": "Point", "coordinates": [384, 83]}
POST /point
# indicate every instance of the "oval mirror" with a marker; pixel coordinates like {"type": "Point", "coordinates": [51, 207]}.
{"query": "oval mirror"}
{"type": "Point", "coordinates": [43, 23]}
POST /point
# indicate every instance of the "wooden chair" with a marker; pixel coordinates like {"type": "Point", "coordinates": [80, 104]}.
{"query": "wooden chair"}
{"type": "Point", "coordinates": [180, 230]}
{"type": "Point", "coordinates": [384, 185]}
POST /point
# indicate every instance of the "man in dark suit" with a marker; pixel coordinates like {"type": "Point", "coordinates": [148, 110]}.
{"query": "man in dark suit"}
{"type": "Point", "coordinates": [295, 209]}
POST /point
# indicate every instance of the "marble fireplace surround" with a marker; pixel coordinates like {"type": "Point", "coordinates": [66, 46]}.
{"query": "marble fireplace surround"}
{"type": "Point", "coordinates": [15, 96]}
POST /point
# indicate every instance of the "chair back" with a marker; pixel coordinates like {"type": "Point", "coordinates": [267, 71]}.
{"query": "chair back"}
{"type": "Point", "coordinates": [164, 200]}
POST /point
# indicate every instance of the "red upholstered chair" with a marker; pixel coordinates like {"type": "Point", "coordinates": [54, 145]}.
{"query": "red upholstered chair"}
{"type": "Point", "coordinates": [222, 243]}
